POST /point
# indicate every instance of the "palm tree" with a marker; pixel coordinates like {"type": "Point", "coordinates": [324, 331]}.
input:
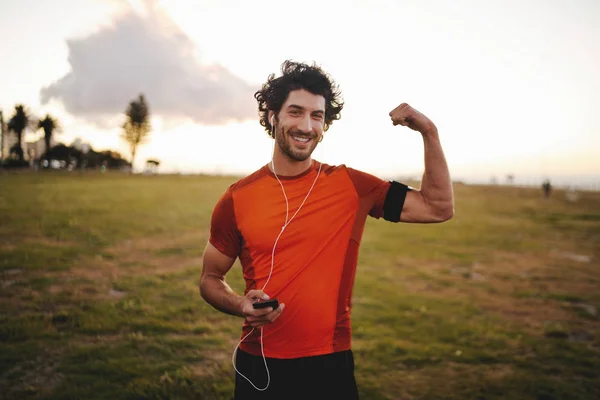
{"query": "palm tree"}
{"type": "Point", "coordinates": [18, 123]}
{"type": "Point", "coordinates": [137, 127]}
{"type": "Point", "coordinates": [49, 125]}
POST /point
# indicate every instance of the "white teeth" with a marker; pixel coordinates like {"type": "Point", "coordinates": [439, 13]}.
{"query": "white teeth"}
{"type": "Point", "coordinates": [304, 140]}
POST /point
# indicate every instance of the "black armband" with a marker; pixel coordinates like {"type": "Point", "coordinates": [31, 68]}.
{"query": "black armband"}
{"type": "Point", "coordinates": [394, 201]}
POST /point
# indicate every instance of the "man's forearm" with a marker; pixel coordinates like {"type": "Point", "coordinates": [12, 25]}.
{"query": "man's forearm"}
{"type": "Point", "coordinates": [436, 185]}
{"type": "Point", "coordinates": [218, 293]}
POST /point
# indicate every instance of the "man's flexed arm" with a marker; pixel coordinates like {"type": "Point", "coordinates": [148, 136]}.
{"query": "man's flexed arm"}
{"type": "Point", "coordinates": [216, 292]}
{"type": "Point", "coordinates": [434, 202]}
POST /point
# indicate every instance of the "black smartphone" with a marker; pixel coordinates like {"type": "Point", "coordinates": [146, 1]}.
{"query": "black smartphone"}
{"type": "Point", "coordinates": [267, 303]}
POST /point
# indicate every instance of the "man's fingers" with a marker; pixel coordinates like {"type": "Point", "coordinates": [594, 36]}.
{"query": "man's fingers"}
{"type": "Point", "coordinates": [249, 299]}
{"type": "Point", "coordinates": [400, 107]}
{"type": "Point", "coordinates": [274, 314]}
{"type": "Point", "coordinates": [402, 117]}
{"type": "Point", "coordinates": [407, 116]}
{"type": "Point", "coordinates": [265, 316]}
{"type": "Point", "coordinates": [257, 294]}
{"type": "Point", "coordinates": [400, 120]}
{"type": "Point", "coordinates": [401, 114]}
{"type": "Point", "coordinates": [271, 314]}
{"type": "Point", "coordinates": [277, 312]}
{"type": "Point", "coordinates": [260, 312]}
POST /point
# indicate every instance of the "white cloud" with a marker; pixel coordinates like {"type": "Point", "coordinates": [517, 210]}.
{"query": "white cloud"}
{"type": "Point", "coordinates": [146, 52]}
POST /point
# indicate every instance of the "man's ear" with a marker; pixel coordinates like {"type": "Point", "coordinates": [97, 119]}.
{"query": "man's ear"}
{"type": "Point", "coordinates": [271, 117]}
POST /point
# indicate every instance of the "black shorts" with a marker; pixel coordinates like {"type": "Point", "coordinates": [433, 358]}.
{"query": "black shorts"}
{"type": "Point", "coordinates": [329, 376]}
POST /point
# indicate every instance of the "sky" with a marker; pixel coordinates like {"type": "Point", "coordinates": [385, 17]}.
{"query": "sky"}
{"type": "Point", "coordinates": [513, 86]}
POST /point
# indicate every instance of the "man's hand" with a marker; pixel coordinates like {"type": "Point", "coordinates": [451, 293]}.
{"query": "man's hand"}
{"type": "Point", "coordinates": [258, 317]}
{"type": "Point", "coordinates": [405, 115]}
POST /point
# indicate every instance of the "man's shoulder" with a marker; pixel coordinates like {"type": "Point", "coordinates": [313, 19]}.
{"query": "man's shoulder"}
{"type": "Point", "coordinates": [352, 173]}
{"type": "Point", "coordinates": [249, 179]}
{"type": "Point", "coordinates": [331, 169]}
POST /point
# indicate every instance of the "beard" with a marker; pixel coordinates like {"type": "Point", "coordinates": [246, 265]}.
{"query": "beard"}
{"type": "Point", "coordinates": [286, 144]}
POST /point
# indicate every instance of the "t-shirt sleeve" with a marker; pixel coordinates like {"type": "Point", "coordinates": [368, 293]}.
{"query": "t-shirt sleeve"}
{"type": "Point", "coordinates": [383, 198]}
{"type": "Point", "coordinates": [224, 234]}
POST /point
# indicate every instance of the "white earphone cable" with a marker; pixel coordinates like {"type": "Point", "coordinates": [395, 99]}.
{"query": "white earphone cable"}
{"type": "Point", "coordinates": [285, 225]}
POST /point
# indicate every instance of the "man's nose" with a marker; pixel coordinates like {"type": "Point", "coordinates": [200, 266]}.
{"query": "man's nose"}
{"type": "Point", "coordinates": [305, 125]}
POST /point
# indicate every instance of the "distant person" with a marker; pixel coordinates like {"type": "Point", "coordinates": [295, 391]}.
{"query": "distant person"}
{"type": "Point", "coordinates": [547, 188]}
{"type": "Point", "coordinates": [296, 226]}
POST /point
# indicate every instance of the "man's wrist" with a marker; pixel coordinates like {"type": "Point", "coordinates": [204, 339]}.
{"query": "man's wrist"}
{"type": "Point", "coordinates": [430, 131]}
{"type": "Point", "coordinates": [239, 306]}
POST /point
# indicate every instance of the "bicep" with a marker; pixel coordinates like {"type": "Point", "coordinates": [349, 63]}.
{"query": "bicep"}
{"type": "Point", "coordinates": [215, 263]}
{"type": "Point", "coordinates": [416, 209]}
{"type": "Point", "coordinates": [394, 201]}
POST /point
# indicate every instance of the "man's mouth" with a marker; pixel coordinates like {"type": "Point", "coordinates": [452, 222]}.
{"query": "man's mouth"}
{"type": "Point", "coordinates": [301, 139]}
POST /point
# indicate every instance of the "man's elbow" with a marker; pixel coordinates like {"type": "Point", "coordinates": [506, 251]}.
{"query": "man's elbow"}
{"type": "Point", "coordinates": [202, 288]}
{"type": "Point", "coordinates": [444, 213]}
{"type": "Point", "coordinates": [447, 214]}
{"type": "Point", "coordinates": [209, 284]}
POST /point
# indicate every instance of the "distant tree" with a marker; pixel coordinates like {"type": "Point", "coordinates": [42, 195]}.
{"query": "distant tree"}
{"type": "Point", "coordinates": [91, 159]}
{"type": "Point", "coordinates": [152, 166]}
{"type": "Point", "coordinates": [49, 125]}
{"type": "Point", "coordinates": [62, 152]}
{"type": "Point", "coordinates": [137, 127]}
{"type": "Point", "coordinates": [153, 163]}
{"type": "Point", "coordinates": [18, 123]}
{"type": "Point", "coordinates": [16, 151]}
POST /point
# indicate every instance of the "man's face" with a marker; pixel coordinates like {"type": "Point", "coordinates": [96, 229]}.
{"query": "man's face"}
{"type": "Point", "coordinates": [299, 124]}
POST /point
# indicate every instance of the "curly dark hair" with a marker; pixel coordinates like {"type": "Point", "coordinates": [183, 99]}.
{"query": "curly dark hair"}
{"type": "Point", "coordinates": [294, 76]}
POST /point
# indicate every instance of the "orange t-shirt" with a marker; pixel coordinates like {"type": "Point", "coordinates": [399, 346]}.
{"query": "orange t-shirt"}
{"type": "Point", "coordinates": [315, 258]}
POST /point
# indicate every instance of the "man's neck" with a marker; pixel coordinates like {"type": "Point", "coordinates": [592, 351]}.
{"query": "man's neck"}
{"type": "Point", "coordinates": [286, 167]}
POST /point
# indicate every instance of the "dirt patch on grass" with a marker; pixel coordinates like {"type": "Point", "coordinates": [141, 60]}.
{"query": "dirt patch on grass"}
{"type": "Point", "coordinates": [529, 315]}
{"type": "Point", "coordinates": [97, 339]}
{"type": "Point", "coordinates": [436, 381]}
{"type": "Point", "coordinates": [214, 364]}
{"type": "Point", "coordinates": [144, 247]}
{"type": "Point", "coordinates": [525, 290]}
{"type": "Point", "coordinates": [37, 377]}
{"type": "Point", "coordinates": [94, 267]}
{"type": "Point", "coordinates": [93, 277]}
{"type": "Point", "coordinates": [49, 242]}
{"type": "Point", "coordinates": [146, 256]}
{"type": "Point", "coordinates": [8, 246]}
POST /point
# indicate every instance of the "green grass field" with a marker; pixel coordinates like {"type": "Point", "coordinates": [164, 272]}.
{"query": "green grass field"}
{"type": "Point", "coordinates": [99, 297]}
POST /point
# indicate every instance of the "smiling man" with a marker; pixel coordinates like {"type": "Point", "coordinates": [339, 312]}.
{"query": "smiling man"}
{"type": "Point", "coordinates": [303, 113]}
{"type": "Point", "coordinates": [296, 226]}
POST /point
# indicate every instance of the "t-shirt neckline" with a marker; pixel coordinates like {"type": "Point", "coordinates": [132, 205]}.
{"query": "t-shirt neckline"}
{"type": "Point", "coordinates": [312, 167]}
